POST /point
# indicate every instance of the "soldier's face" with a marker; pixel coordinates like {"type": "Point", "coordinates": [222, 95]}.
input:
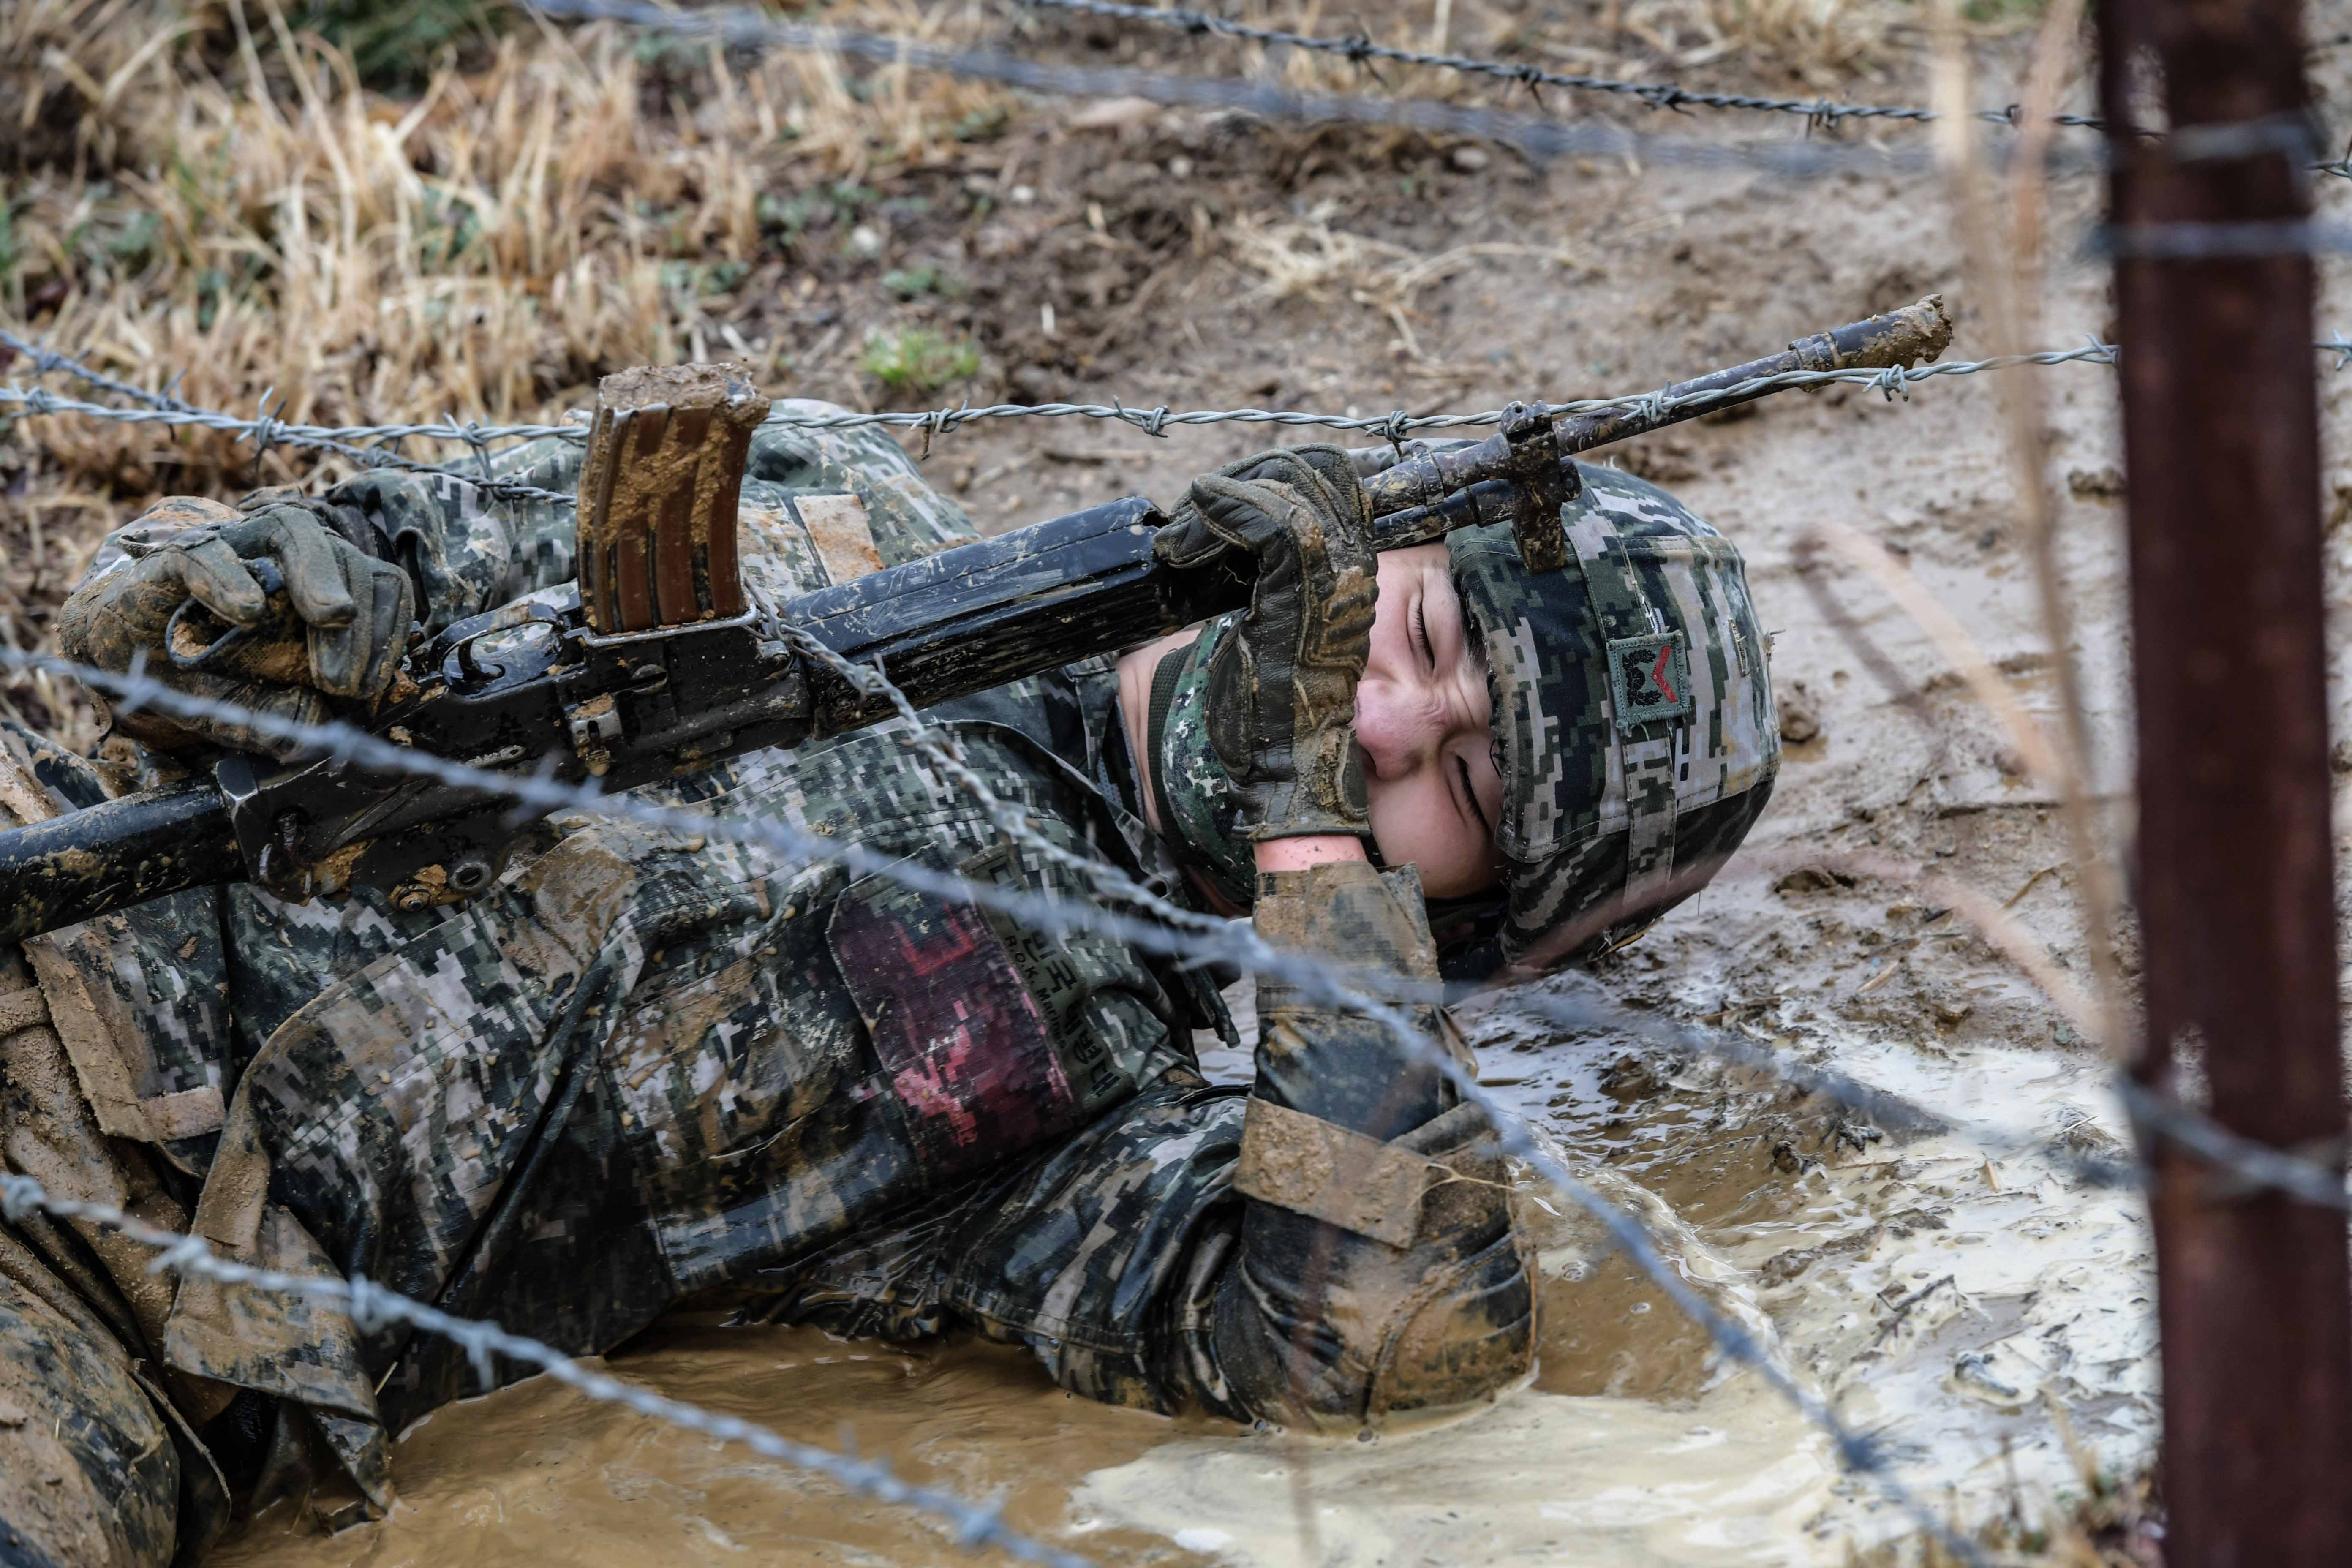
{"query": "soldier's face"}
{"type": "Point", "coordinates": [1422, 717]}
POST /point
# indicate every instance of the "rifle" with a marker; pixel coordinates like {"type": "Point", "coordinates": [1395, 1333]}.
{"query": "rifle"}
{"type": "Point", "coordinates": [663, 664]}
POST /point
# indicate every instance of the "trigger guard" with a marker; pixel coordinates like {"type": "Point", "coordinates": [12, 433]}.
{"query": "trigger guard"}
{"type": "Point", "coordinates": [265, 572]}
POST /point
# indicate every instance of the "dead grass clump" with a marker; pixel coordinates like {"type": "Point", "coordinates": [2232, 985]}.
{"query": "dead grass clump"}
{"type": "Point", "coordinates": [204, 195]}
{"type": "Point", "coordinates": [486, 248]}
{"type": "Point", "coordinates": [68, 68]}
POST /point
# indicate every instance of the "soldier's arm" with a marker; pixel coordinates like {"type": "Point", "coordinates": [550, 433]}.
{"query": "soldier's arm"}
{"type": "Point", "coordinates": [469, 549]}
{"type": "Point", "coordinates": [1378, 1268]}
{"type": "Point", "coordinates": [1334, 1248]}
{"type": "Point", "coordinates": [1363, 1258]}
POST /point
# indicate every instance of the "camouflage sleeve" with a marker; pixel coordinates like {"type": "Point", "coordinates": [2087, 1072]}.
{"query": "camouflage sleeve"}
{"type": "Point", "coordinates": [1332, 1249]}
{"type": "Point", "coordinates": [470, 550]}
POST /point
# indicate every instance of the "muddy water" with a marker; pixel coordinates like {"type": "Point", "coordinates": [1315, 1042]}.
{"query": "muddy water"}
{"type": "Point", "coordinates": [1946, 1302]}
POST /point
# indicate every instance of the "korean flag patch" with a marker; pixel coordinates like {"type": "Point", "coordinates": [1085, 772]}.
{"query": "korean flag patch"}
{"type": "Point", "coordinates": [1650, 679]}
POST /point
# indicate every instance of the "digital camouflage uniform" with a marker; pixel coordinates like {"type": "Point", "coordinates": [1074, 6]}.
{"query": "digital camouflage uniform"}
{"type": "Point", "coordinates": [648, 1069]}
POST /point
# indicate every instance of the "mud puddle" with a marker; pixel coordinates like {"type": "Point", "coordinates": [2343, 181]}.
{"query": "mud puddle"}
{"type": "Point", "coordinates": [1947, 1304]}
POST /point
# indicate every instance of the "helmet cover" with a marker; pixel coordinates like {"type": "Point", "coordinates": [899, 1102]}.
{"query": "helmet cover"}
{"type": "Point", "coordinates": [1632, 715]}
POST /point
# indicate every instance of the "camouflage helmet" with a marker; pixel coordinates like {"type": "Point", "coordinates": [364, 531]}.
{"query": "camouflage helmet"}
{"type": "Point", "coordinates": [1633, 718]}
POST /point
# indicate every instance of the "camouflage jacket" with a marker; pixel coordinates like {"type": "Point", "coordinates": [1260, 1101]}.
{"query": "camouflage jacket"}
{"type": "Point", "coordinates": [648, 1069]}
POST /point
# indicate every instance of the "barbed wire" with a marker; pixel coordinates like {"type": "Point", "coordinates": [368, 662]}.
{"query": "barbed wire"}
{"type": "Point", "coordinates": [1892, 380]}
{"type": "Point", "coordinates": [1234, 943]}
{"type": "Point", "coordinates": [1359, 48]}
{"type": "Point", "coordinates": [372, 1306]}
{"type": "Point", "coordinates": [2191, 241]}
{"type": "Point", "coordinates": [268, 430]}
{"type": "Point", "coordinates": [2249, 1166]}
{"type": "Point", "coordinates": [1537, 137]}
{"type": "Point", "coordinates": [46, 360]}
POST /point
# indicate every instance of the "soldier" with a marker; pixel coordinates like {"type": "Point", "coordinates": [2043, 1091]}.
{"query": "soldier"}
{"type": "Point", "coordinates": [646, 1068]}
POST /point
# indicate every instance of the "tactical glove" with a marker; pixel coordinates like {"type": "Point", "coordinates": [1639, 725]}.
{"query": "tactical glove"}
{"type": "Point", "coordinates": [1282, 685]}
{"type": "Point", "coordinates": [270, 610]}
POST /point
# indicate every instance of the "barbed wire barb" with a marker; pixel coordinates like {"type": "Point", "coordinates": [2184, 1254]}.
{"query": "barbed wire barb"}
{"type": "Point", "coordinates": [1391, 426]}
{"type": "Point", "coordinates": [1359, 48]}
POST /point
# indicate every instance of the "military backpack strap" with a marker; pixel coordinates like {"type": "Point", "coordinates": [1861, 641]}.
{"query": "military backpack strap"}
{"type": "Point", "coordinates": [1649, 693]}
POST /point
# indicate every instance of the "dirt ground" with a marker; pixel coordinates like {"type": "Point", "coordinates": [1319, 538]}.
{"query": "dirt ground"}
{"type": "Point", "coordinates": [1989, 1317]}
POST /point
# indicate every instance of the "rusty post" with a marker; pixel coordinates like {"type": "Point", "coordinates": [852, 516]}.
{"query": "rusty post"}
{"type": "Point", "coordinates": [2221, 433]}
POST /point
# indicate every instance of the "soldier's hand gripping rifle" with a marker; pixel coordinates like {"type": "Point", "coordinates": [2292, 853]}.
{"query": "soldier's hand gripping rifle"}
{"type": "Point", "coordinates": [664, 664]}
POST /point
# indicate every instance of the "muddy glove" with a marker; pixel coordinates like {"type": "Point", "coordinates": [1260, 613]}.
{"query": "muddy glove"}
{"type": "Point", "coordinates": [1282, 685]}
{"type": "Point", "coordinates": [270, 610]}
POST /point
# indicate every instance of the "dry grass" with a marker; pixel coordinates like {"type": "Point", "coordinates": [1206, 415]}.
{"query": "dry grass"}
{"type": "Point", "coordinates": [208, 191]}
{"type": "Point", "coordinates": [201, 191]}
{"type": "Point", "coordinates": [262, 222]}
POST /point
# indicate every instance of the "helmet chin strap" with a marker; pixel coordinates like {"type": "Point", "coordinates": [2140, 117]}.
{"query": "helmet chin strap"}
{"type": "Point", "coordinates": [1196, 813]}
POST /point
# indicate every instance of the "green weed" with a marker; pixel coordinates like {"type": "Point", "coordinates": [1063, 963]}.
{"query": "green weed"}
{"type": "Point", "coordinates": [917, 359]}
{"type": "Point", "coordinates": [913, 282]}
{"type": "Point", "coordinates": [394, 43]}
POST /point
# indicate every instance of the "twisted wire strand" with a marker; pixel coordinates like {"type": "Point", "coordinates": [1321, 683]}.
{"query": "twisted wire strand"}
{"type": "Point", "coordinates": [1359, 49]}
{"type": "Point", "coordinates": [370, 1306]}
{"type": "Point", "coordinates": [46, 360]}
{"type": "Point", "coordinates": [268, 430]}
{"type": "Point", "coordinates": [1892, 381]}
{"type": "Point", "coordinates": [1539, 137]}
{"type": "Point", "coordinates": [1012, 823]}
{"type": "Point", "coordinates": [2208, 241]}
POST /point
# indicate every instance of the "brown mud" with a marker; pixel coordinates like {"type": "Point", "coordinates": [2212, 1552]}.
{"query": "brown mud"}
{"type": "Point", "coordinates": [1990, 1320]}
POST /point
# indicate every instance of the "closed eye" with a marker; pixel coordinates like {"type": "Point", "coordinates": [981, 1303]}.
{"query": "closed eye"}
{"type": "Point", "coordinates": [1470, 794]}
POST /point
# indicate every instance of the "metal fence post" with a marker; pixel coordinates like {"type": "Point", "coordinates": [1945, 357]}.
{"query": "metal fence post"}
{"type": "Point", "coordinates": [2236, 893]}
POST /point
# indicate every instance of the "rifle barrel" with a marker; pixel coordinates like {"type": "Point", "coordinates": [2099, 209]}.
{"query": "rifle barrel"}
{"type": "Point", "coordinates": [1428, 495]}
{"type": "Point", "coordinates": [72, 867]}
